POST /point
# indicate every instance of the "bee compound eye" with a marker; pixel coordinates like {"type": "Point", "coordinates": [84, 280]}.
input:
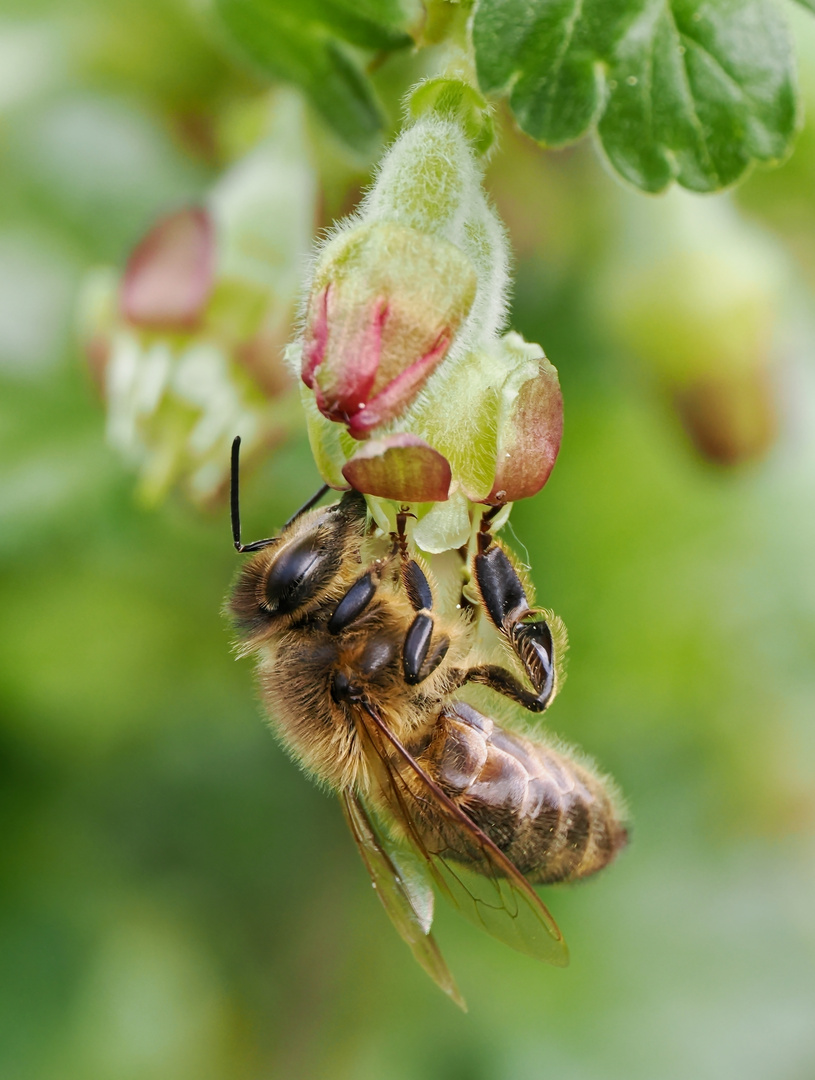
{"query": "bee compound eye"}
{"type": "Point", "coordinates": [298, 572]}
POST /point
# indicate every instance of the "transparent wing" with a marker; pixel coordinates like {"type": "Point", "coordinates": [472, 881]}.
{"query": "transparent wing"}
{"type": "Point", "coordinates": [404, 890]}
{"type": "Point", "coordinates": [504, 909]}
{"type": "Point", "coordinates": [468, 868]}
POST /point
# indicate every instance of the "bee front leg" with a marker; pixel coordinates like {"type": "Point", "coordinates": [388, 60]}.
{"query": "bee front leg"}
{"type": "Point", "coordinates": [528, 633]}
{"type": "Point", "coordinates": [354, 602]}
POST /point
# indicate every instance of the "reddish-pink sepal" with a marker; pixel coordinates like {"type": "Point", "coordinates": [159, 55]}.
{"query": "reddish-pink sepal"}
{"type": "Point", "coordinates": [401, 467]}
{"type": "Point", "coordinates": [529, 439]}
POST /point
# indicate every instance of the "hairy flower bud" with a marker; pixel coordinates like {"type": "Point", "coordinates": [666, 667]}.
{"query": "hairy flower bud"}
{"type": "Point", "coordinates": [383, 312]}
{"type": "Point", "coordinates": [412, 392]}
{"type": "Point", "coordinates": [419, 274]}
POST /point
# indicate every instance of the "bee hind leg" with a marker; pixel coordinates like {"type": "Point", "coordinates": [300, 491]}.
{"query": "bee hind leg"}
{"type": "Point", "coordinates": [503, 682]}
{"type": "Point", "coordinates": [528, 633]}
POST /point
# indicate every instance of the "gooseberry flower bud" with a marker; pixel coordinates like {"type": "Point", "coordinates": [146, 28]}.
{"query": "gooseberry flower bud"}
{"type": "Point", "coordinates": [385, 307]}
{"type": "Point", "coordinates": [417, 276]}
{"type": "Point", "coordinates": [412, 391]}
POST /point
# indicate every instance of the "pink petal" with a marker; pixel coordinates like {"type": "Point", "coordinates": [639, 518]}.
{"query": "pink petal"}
{"type": "Point", "coordinates": [315, 339]}
{"type": "Point", "coordinates": [401, 467]}
{"type": "Point", "coordinates": [529, 441]}
{"type": "Point", "coordinates": [169, 277]}
{"type": "Point", "coordinates": [390, 402]}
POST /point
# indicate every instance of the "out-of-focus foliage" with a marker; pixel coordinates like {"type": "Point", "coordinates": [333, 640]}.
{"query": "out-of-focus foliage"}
{"type": "Point", "coordinates": [699, 293]}
{"type": "Point", "coordinates": [177, 901]}
{"type": "Point", "coordinates": [310, 43]}
{"type": "Point", "coordinates": [687, 91]}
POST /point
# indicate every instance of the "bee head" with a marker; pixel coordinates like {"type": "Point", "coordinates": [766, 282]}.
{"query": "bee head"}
{"type": "Point", "coordinates": [290, 578]}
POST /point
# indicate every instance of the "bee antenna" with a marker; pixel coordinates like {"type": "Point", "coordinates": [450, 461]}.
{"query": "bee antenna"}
{"type": "Point", "coordinates": [315, 498]}
{"type": "Point", "coordinates": [234, 504]}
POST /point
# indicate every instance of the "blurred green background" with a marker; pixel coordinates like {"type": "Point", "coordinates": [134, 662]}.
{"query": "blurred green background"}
{"type": "Point", "coordinates": [177, 900]}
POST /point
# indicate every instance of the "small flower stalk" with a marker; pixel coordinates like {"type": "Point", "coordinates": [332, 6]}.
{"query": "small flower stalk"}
{"type": "Point", "coordinates": [414, 391]}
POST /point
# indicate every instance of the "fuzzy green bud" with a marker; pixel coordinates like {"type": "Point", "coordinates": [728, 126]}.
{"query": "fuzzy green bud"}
{"type": "Point", "coordinates": [403, 348]}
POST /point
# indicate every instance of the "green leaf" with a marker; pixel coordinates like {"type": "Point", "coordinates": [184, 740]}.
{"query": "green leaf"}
{"type": "Point", "coordinates": [687, 90]}
{"type": "Point", "coordinates": [305, 43]}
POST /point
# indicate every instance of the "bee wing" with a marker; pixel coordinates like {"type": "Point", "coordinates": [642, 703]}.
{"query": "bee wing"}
{"type": "Point", "coordinates": [466, 865]}
{"type": "Point", "coordinates": [404, 890]}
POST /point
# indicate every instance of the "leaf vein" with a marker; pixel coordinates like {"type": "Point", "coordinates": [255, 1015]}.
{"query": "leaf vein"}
{"type": "Point", "coordinates": [741, 92]}
{"type": "Point", "coordinates": [571, 23]}
{"type": "Point", "coordinates": [696, 123]}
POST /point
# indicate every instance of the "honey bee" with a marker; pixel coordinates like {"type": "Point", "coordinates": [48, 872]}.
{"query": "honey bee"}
{"type": "Point", "coordinates": [360, 674]}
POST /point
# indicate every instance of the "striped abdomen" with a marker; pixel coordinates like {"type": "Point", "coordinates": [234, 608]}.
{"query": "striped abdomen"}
{"type": "Point", "coordinates": [552, 817]}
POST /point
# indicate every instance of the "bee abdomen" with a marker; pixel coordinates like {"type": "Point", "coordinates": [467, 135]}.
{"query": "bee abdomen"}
{"type": "Point", "coordinates": [552, 817]}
